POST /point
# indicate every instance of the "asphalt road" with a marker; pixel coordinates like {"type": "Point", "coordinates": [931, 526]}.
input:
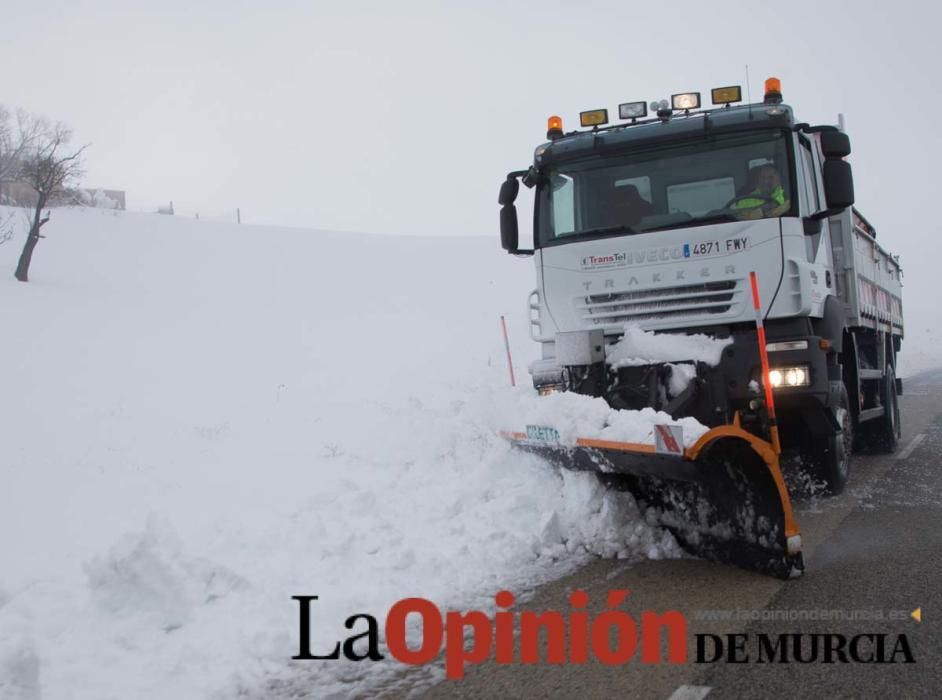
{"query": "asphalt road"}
{"type": "Point", "coordinates": [873, 552]}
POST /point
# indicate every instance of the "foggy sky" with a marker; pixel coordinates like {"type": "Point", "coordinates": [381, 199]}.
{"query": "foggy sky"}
{"type": "Point", "coordinates": [403, 117]}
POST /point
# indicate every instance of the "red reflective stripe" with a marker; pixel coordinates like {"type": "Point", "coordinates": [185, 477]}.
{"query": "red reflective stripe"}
{"type": "Point", "coordinates": [755, 292]}
{"type": "Point", "coordinates": [669, 442]}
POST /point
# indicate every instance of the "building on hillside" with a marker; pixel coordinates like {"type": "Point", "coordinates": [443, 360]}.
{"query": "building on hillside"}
{"type": "Point", "coordinates": [20, 194]}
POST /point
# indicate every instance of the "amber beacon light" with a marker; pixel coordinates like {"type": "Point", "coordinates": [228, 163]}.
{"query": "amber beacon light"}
{"type": "Point", "coordinates": [554, 127]}
{"type": "Point", "coordinates": [773, 91]}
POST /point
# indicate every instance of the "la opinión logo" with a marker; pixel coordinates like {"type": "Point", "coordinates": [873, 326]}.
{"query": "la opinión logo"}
{"type": "Point", "coordinates": [612, 637]}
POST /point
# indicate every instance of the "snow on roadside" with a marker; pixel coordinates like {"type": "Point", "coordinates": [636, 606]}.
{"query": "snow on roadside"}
{"type": "Point", "coordinates": [452, 516]}
{"type": "Point", "coordinates": [203, 420]}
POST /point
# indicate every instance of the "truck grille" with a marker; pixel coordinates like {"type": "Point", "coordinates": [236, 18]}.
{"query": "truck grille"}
{"type": "Point", "coordinates": [687, 301]}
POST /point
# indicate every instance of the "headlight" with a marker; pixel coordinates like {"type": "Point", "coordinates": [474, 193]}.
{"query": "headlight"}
{"type": "Point", "coordinates": [790, 376]}
{"type": "Point", "coordinates": [796, 376]}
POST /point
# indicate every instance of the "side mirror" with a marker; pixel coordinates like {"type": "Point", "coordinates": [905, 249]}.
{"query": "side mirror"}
{"type": "Point", "coordinates": [838, 184]}
{"type": "Point", "coordinates": [509, 233]}
{"type": "Point", "coordinates": [508, 191]}
{"type": "Point", "coordinates": [835, 144]}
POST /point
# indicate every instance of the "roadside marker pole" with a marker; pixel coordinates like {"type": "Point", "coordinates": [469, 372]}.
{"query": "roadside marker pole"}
{"type": "Point", "coordinates": [510, 364]}
{"type": "Point", "coordinates": [764, 356]}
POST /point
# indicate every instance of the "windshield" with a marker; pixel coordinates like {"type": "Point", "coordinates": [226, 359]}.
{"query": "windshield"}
{"type": "Point", "coordinates": [721, 178]}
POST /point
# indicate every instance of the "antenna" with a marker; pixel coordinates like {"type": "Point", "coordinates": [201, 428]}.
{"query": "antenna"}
{"type": "Point", "coordinates": [748, 92]}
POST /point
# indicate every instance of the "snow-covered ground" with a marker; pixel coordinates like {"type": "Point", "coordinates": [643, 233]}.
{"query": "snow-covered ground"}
{"type": "Point", "coordinates": [202, 420]}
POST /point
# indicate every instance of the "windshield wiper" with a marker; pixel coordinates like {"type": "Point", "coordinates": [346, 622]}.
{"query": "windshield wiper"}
{"type": "Point", "coordinates": [724, 216]}
{"type": "Point", "coordinates": [712, 219]}
{"type": "Point", "coordinates": [607, 231]}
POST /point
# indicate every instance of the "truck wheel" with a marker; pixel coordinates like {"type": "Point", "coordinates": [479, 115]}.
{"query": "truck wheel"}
{"type": "Point", "coordinates": [887, 430]}
{"type": "Point", "coordinates": [833, 456]}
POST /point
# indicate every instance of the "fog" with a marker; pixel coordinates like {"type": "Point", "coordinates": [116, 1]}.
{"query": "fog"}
{"type": "Point", "coordinates": [404, 117]}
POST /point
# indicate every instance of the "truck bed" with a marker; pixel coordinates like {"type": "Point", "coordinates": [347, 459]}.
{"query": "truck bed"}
{"type": "Point", "coordinates": [869, 279]}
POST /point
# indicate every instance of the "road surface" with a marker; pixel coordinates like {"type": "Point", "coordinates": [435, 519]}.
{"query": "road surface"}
{"type": "Point", "coordinates": [875, 550]}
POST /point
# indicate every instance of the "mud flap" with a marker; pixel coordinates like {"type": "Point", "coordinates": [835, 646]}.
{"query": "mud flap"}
{"type": "Point", "coordinates": [724, 498]}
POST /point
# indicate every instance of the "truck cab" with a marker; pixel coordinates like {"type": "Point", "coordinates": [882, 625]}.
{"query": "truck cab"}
{"type": "Point", "coordinates": [660, 221]}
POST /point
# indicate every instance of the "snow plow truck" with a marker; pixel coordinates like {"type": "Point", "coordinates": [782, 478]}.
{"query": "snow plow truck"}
{"type": "Point", "coordinates": [736, 222]}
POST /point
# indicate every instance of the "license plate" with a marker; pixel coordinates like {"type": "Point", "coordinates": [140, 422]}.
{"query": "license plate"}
{"type": "Point", "coordinates": [542, 433]}
{"type": "Point", "coordinates": [706, 249]}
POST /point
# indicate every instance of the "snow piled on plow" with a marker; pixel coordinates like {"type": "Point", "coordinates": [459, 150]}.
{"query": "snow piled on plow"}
{"type": "Point", "coordinates": [640, 347]}
{"type": "Point", "coordinates": [575, 416]}
{"type": "Point", "coordinates": [202, 420]}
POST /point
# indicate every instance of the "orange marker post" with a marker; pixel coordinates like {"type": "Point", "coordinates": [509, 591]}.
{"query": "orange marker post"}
{"type": "Point", "coordinates": [764, 357]}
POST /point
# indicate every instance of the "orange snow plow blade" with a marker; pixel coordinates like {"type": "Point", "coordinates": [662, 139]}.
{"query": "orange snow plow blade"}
{"type": "Point", "coordinates": [723, 497]}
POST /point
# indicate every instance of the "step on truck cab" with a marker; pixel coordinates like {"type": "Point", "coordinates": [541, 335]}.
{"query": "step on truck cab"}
{"type": "Point", "coordinates": [659, 220]}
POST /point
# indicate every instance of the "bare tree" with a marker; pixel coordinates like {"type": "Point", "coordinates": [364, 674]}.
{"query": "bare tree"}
{"type": "Point", "coordinates": [11, 149]}
{"type": "Point", "coordinates": [48, 165]}
{"type": "Point", "coordinates": [6, 228]}
{"type": "Point", "coordinates": [15, 140]}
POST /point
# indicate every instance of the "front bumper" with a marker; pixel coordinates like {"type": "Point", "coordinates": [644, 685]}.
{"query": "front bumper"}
{"type": "Point", "coordinates": [736, 381]}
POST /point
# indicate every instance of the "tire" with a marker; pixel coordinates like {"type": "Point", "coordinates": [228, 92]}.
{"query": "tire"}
{"type": "Point", "coordinates": [832, 458]}
{"type": "Point", "coordinates": [888, 429]}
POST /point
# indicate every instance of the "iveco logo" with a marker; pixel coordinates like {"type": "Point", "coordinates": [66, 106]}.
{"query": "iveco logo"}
{"type": "Point", "coordinates": [633, 257]}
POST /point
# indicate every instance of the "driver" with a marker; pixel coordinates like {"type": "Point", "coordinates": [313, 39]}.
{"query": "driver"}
{"type": "Point", "coordinates": [628, 206]}
{"type": "Point", "coordinates": [765, 197]}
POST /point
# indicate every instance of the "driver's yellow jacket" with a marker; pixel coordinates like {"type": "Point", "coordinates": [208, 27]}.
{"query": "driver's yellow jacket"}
{"type": "Point", "coordinates": [755, 199]}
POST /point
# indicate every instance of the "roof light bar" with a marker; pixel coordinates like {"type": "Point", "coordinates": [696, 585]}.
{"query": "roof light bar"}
{"type": "Point", "coordinates": [726, 95]}
{"type": "Point", "coordinates": [632, 110]}
{"type": "Point", "coordinates": [686, 100]}
{"type": "Point", "coordinates": [594, 117]}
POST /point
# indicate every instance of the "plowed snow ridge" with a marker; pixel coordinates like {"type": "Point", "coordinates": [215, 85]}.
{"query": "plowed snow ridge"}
{"type": "Point", "coordinates": [201, 420]}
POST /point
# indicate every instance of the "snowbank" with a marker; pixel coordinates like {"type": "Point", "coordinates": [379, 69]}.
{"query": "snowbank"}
{"type": "Point", "coordinates": [576, 416]}
{"type": "Point", "coordinates": [203, 420]}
